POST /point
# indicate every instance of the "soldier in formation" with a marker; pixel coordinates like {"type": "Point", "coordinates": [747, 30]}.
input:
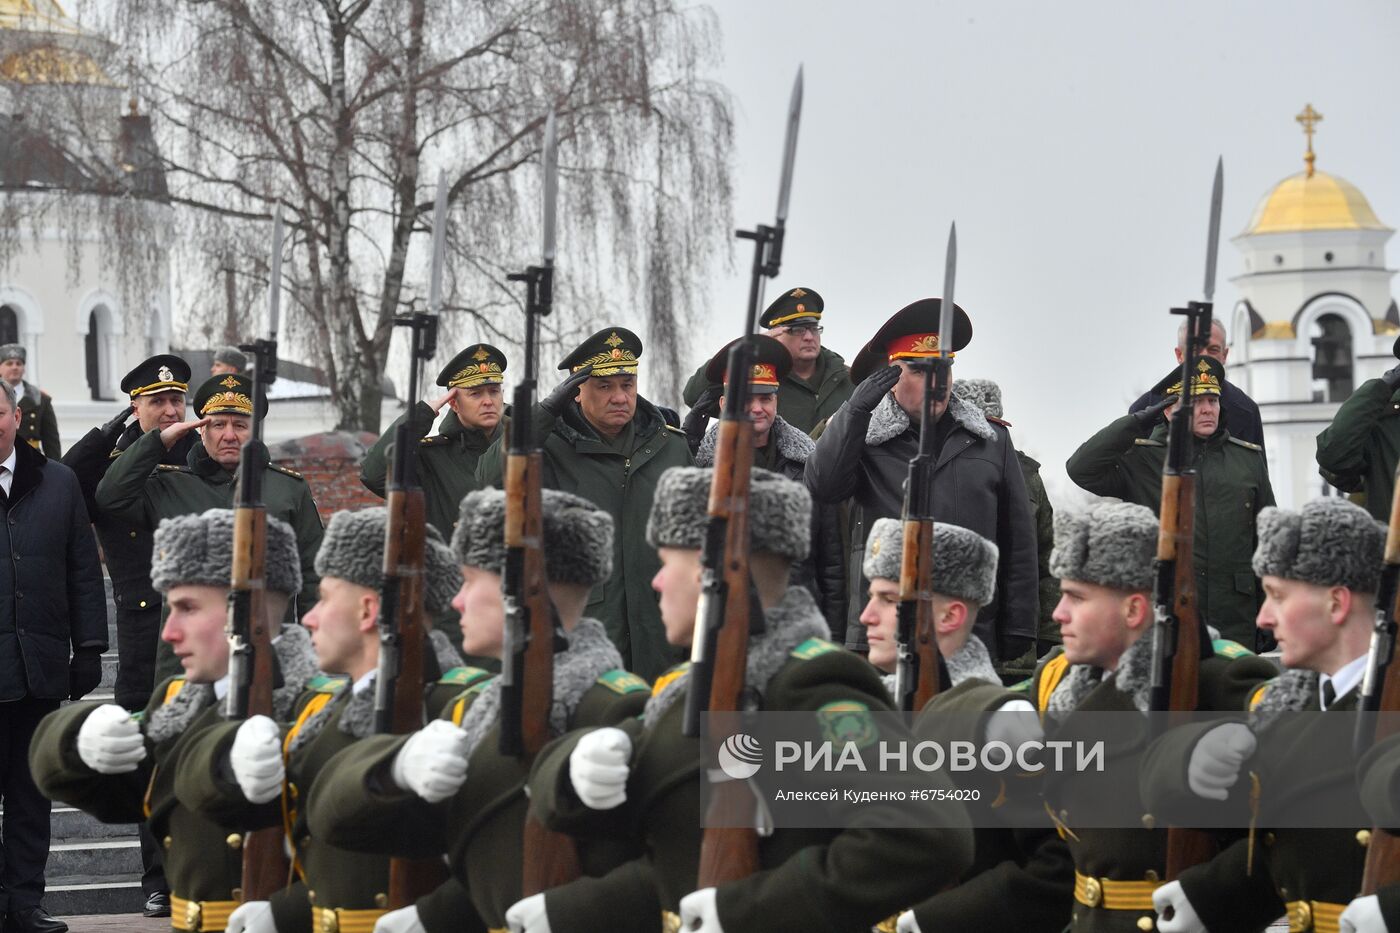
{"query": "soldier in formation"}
{"type": "Point", "coordinates": [37, 426]}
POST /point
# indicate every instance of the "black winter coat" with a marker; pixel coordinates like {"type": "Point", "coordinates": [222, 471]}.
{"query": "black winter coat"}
{"type": "Point", "coordinates": [51, 596]}
{"type": "Point", "coordinates": [977, 484]}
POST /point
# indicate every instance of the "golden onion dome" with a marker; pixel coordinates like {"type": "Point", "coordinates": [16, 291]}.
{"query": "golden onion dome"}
{"type": "Point", "coordinates": [35, 16]}
{"type": "Point", "coordinates": [1313, 201]}
{"type": "Point", "coordinates": [47, 64]}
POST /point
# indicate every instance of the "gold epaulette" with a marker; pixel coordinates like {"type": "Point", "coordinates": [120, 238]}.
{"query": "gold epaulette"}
{"type": "Point", "coordinates": [1147, 442]}
{"type": "Point", "coordinates": [1247, 445]}
{"type": "Point", "coordinates": [432, 440]}
{"type": "Point", "coordinates": [286, 471]}
{"type": "Point", "coordinates": [114, 454]}
{"type": "Point", "coordinates": [672, 427]}
{"type": "Point", "coordinates": [178, 468]}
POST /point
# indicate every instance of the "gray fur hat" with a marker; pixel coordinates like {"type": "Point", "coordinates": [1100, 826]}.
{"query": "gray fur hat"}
{"type": "Point", "coordinates": [232, 356]}
{"type": "Point", "coordinates": [982, 394]}
{"type": "Point", "coordinates": [197, 550]}
{"type": "Point", "coordinates": [1111, 544]}
{"type": "Point", "coordinates": [578, 536]}
{"type": "Point", "coordinates": [353, 550]}
{"type": "Point", "coordinates": [1329, 542]}
{"type": "Point", "coordinates": [964, 562]}
{"type": "Point", "coordinates": [780, 512]}
{"type": "Point", "coordinates": [12, 351]}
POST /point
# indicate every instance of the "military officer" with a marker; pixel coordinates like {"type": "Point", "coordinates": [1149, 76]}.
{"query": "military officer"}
{"type": "Point", "coordinates": [156, 387]}
{"type": "Point", "coordinates": [122, 768]}
{"type": "Point", "coordinates": [783, 449]}
{"type": "Point", "coordinates": [1104, 558]}
{"type": "Point", "coordinates": [609, 445]}
{"type": "Point", "coordinates": [818, 382]}
{"type": "Point", "coordinates": [232, 769]}
{"type": "Point", "coordinates": [448, 788]}
{"type": "Point", "coordinates": [447, 460]}
{"type": "Point", "coordinates": [1021, 878]}
{"type": "Point", "coordinates": [1358, 451]}
{"type": "Point", "coordinates": [37, 423]}
{"type": "Point", "coordinates": [1321, 570]}
{"type": "Point", "coordinates": [863, 454]}
{"type": "Point", "coordinates": [141, 489]}
{"type": "Point", "coordinates": [1125, 460]}
{"type": "Point", "coordinates": [642, 778]}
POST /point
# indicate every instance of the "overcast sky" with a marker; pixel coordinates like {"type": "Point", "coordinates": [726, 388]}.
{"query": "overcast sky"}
{"type": "Point", "coordinates": [1073, 142]}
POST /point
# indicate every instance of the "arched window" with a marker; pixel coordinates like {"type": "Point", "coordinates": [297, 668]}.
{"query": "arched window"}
{"type": "Point", "coordinates": [97, 353]}
{"type": "Point", "coordinates": [1332, 367]}
{"type": "Point", "coordinates": [9, 325]}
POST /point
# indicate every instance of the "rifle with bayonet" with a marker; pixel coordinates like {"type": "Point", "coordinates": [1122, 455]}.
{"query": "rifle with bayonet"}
{"type": "Point", "coordinates": [403, 625]}
{"type": "Point", "coordinates": [532, 629]}
{"type": "Point", "coordinates": [1179, 638]}
{"type": "Point", "coordinates": [919, 670]}
{"type": "Point", "coordinates": [251, 667]}
{"type": "Point", "coordinates": [729, 611]}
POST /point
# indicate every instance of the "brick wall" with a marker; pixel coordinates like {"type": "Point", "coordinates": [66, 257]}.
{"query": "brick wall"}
{"type": "Point", "coordinates": [331, 464]}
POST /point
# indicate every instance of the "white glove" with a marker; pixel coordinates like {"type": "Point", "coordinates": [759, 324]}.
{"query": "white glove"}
{"type": "Point", "coordinates": [528, 916]}
{"type": "Point", "coordinates": [1215, 761]}
{"type": "Point", "coordinates": [110, 741]}
{"type": "Point", "coordinates": [433, 762]}
{"type": "Point", "coordinates": [598, 768]}
{"type": "Point", "coordinates": [1363, 915]}
{"type": "Point", "coordinates": [1171, 899]}
{"type": "Point", "coordinates": [1015, 722]}
{"type": "Point", "coordinates": [907, 923]}
{"type": "Point", "coordinates": [256, 759]}
{"type": "Point", "coordinates": [403, 920]}
{"type": "Point", "coordinates": [252, 917]}
{"type": "Point", "coordinates": [699, 913]}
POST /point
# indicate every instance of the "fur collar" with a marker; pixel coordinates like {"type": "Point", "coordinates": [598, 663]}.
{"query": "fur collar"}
{"type": "Point", "coordinates": [786, 625]}
{"type": "Point", "coordinates": [573, 427]}
{"type": "Point", "coordinates": [447, 656]}
{"type": "Point", "coordinates": [170, 719]}
{"type": "Point", "coordinates": [794, 445]}
{"type": "Point", "coordinates": [590, 655]}
{"type": "Point", "coordinates": [970, 662]}
{"type": "Point", "coordinates": [1133, 678]}
{"type": "Point", "coordinates": [1290, 691]}
{"type": "Point", "coordinates": [889, 421]}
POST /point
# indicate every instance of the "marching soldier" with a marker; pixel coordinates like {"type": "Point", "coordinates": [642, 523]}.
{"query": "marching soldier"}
{"type": "Point", "coordinates": [233, 769]}
{"type": "Point", "coordinates": [122, 768]}
{"type": "Point", "coordinates": [1125, 460]}
{"type": "Point", "coordinates": [818, 383]}
{"type": "Point", "coordinates": [1321, 570]}
{"type": "Point", "coordinates": [157, 388]}
{"type": "Point", "coordinates": [642, 777]}
{"type": "Point", "coordinates": [37, 424]}
{"type": "Point", "coordinates": [1020, 878]}
{"type": "Point", "coordinates": [864, 452]}
{"type": "Point", "coordinates": [783, 449]}
{"type": "Point", "coordinates": [142, 489]}
{"type": "Point", "coordinates": [447, 460]}
{"type": "Point", "coordinates": [1358, 451]}
{"type": "Point", "coordinates": [606, 443]}
{"type": "Point", "coordinates": [1104, 558]}
{"type": "Point", "coordinates": [448, 788]}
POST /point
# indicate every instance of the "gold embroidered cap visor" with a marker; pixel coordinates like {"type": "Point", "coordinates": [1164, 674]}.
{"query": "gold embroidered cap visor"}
{"type": "Point", "coordinates": [163, 372]}
{"type": "Point", "coordinates": [226, 394]}
{"type": "Point", "coordinates": [1206, 378]}
{"type": "Point", "coordinates": [478, 365]}
{"type": "Point", "coordinates": [772, 362]}
{"type": "Point", "coordinates": [612, 351]}
{"type": "Point", "coordinates": [912, 333]}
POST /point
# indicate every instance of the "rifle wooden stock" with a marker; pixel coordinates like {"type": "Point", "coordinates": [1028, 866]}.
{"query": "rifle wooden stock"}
{"type": "Point", "coordinates": [1175, 543]}
{"type": "Point", "coordinates": [1383, 853]}
{"type": "Point", "coordinates": [916, 586]}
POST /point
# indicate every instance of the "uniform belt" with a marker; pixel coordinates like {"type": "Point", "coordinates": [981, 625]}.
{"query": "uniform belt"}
{"type": "Point", "coordinates": [197, 916]}
{"type": "Point", "coordinates": [1314, 917]}
{"type": "Point", "coordinates": [339, 920]}
{"type": "Point", "coordinates": [1114, 895]}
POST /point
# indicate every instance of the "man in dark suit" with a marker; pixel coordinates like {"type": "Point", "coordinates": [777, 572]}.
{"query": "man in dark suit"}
{"type": "Point", "coordinates": [1239, 412]}
{"type": "Point", "coordinates": [53, 630]}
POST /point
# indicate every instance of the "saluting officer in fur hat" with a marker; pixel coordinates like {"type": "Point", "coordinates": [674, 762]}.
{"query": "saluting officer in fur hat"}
{"type": "Point", "coordinates": [142, 489]}
{"type": "Point", "coordinates": [606, 443]}
{"type": "Point", "coordinates": [37, 426]}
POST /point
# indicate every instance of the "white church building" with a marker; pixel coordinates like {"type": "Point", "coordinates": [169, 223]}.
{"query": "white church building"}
{"type": "Point", "coordinates": [1315, 317]}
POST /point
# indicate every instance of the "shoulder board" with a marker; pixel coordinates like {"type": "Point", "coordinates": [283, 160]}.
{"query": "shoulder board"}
{"type": "Point", "coordinates": [1050, 676]}
{"type": "Point", "coordinates": [172, 467]}
{"type": "Point", "coordinates": [1001, 421]}
{"type": "Point", "coordinates": [814, 648]}
{"type": "Point", "coordinates": [171, 689]}
{"type": "Point", "coordinates": [457, 709]}
{"type": "Point", "coordinates": [114, 454]}
{"type": "Point", "coordinates": [1147, 442]}
{"type": "Point", "coordinates": [464, 675]}
{"type": "Point", "coordinates": [432, 440]}
{"type": "Point", "coordinates": [1226, 648]}
{"type": "Point", "coordinates": [675, 430]}
{"type": "Point", "coordinates": [623, 682]}
{"type": "Point", "coordinates": [1245, 444]}
{"type": "Point", "coordinates": [288, 471]}
{"type": "Point", "coordinates": [1022, 687]}
{"type": "Point", "coordinates": [669, 676]}
{"type": "Point", "coordinates": [327, 683]}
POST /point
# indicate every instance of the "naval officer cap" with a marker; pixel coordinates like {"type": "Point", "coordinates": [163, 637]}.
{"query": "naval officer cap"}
{"type": "Point", "coordinates": [227, 394]}
{"type": "Point", "coordinates": [613, 351]}
{"type": "Point", "coordinates": [478, 365]}
{"type": "Point", "coordinates": [1328, 542]}
{"type": "Point", "coordinates": [911, 334]}
{"type": "Point", "coordinates": [964, 562]}
{"type": "Point", "coordinates": [801, 306]}
{"type": "Point", "coordinates": [578, 536]}
{"type": "Point", "coordinates": [163, 372]}
{"type": "Point", "coordinates": [1112, 544]}
{"type": "Point", "coordinates": [772, 362]}
{"type": "Point", "coordinates": [197, 550]}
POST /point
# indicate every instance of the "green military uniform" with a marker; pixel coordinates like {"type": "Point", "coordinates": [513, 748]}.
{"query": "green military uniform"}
{"type": "Point", "coordinates": [1043, 517]}
{"type": "Point", "coordinates": [1358, 451]}
{"type": "Point", "coordinates": [480, 827]}
{"type": "Point", "coordinates": [618, 476]}
{"type": "Point", "coordinates": [803, 403]}
{"type": "Point", "coordinates": [141, 490]}
{"type": "Point", "coordinates": [1232, 485]}
{"type": "Point", "coordinates": [37, 424]}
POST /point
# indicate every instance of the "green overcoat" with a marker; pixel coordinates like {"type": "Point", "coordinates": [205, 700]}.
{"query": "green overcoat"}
{"type": "Point", "coordinates": [1358, 451]}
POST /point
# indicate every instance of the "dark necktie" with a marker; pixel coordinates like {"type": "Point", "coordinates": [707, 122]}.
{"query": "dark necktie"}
{"type": "Point", "coordinates": [1329, 694]}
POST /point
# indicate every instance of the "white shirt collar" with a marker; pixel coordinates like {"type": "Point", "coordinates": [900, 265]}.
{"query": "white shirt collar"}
{"type": "Point", "coordinates": [1345, 680]}
{"type": "Point", "coordinates": [221, 688]}
{"type": "Point", "coordinates": [364, 682]}
{"type": "Point", "coordinates": [9, 462]}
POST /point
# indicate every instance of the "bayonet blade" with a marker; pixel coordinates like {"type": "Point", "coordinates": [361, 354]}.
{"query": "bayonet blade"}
{"type": "Point", "coordinates": [274, 284]}
{"type": "Point", "coordinates": [551, 186]}
{"type": "Point", "coordinates": [945, 310]}
{"type": "Point", "coordinates": [439, 245]}
{"type": "Point", "coordinates": [790, 147]}
{"type": "Point", "coordinates": [1217, 195]}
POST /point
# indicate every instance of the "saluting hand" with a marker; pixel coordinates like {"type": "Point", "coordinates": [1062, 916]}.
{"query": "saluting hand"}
{"type": "Point", "coordinates": [437, 403]}
{"type": "Point", "coordinates": [873, 389]}
{"type": "Point", "coordinates": [117, 424]}
{"type": "Point", "coordinates": [171, 435]}
{"type": "Point", "coordinates": [566, 391]}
